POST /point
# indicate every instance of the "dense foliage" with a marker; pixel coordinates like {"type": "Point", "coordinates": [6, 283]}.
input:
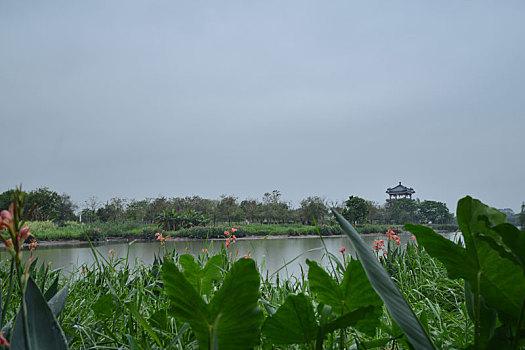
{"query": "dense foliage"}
{"type": "Point", "coordinates": [270, 209]}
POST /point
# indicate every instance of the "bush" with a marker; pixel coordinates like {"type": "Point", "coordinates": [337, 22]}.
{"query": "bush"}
{"type": "Point", "coordinates": [95, 234]}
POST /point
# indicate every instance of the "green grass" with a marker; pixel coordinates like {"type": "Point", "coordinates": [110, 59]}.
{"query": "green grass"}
{"type": "Point", "coordinates": [47, 231]}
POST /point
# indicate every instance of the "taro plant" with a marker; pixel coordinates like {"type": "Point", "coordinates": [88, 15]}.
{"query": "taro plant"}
{"type": "Point", "coordinates": [491, 261]}
{"type": "Point", "coordinates": [353, 303]}
{"type": "Point", "coordinates": [232, 318]}
{"type": "Point", "coordinates": [35, 325]}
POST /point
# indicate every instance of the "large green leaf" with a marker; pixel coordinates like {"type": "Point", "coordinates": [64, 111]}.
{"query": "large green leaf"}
{"type": "Point", "coordinates": [104, 306]}
{"type": "Point", "coordinates": [481, 262]}
{"type": "Point", "coordinates": [186, 304]}
{"type": "Point", "coordinates": [293, 323]}
{"type": "Point", "coordinates": [232, 320]}
{"type": "Point", "coordinates": [43, 329]}
{"type": "Point", "coordinates": [514, 240]}
{"type": "Point", "coordinates": [201, 279]}
{"type": "Point", "coordinates": [386, 289]}
{"type": "Point", "coordinates": [58, 301]}
{"type": "Point", "coordinates": [354, 292]}
{"type": "Point", "coordinates": [454, 257]}
{"type": "Point", "coordinates": [234, 310]}
{"type": "Point", "coordinates": [325, 287]}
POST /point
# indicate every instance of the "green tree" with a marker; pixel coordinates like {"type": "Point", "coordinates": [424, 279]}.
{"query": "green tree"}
{"type": "Point", "coordinates": [436, 212]}
{"type": "Point", "coordinates": [374, 212]}
{"type": "Point", "coordinates": [49, 204]}
{"type": "Point", "coordinates": [6, 198]}
{"type": "Point", "coordinates": [67, 209]}
{"type": "Point", "coordinates": [356, 210]}
{"type": "Point", "coordinates": [313, 207]}
{"type": "Point", "coordinates": [114, 210]}
{"type": "Point", "coordinates": [228, 209]}
{"type": "Point", "coordinates": [251, 209]}
{"type": "Point", "coordinates": [136, 210]}
{"type": "Point", "coordinates": [155, 208]}
{"type": "Point", "coordinates": [273, 209]}
{"type": "Point", "coordinates": [402, 210]}
{"type": "Point", "coordinates": [89, 212]}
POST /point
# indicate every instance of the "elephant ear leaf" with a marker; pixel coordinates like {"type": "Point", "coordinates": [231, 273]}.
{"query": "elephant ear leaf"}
{"type": "Point", "coordinates": [210, 274]}
{"type": "Point", "coordinates": [43, 329]}
{"type": "Point", "coordinates": [186, 304]}
{"type": "Point", "coordinates": [232, 320]}
{"type": "Point", "coordinates": [293, 323]}
{"type": "Point", "coordinates": [191, 270]}
{"type": "Point", "coordinates": [325, 287]}
{"type": "Point", "coordinates": [234, 311]}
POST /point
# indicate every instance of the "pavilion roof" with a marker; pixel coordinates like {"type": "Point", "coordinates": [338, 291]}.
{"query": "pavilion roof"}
{"type": "Point", "coordinates": [400, 189]}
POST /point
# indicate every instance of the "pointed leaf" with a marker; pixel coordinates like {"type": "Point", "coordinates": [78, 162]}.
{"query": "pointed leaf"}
{"type": "Point", "coordinates": [210, 274]}
{"type": "Point", "coordinates": [514, 239]}
{"type": "Point", "coordinates": [233, 318]}
{"type": "Point", "coordinates": [325, 287]}
{"type": "Point", "coordinates": [386, 289]}
{"type": "Point", "coordinates": [479, 263]}
{"type": "Point", "coordinates": [454, 257]}
{"type": "Point", "coordinates": [293, 323]}
{"type": "Point", "coordinates": [350, 319]}
{"type": "Point", "coordinates": [234, 311]}
{"type": "Point", "coordinates": [357, 290]}
{"type": "Point", "coordinates": [43, 328]}
{"type": "Point", "coordinates": [58, 301]}
{"type": "Point", "coordinates": [186, 304]}
{"type": "Point", "coordinates": [191, 270]}
{"type": "Point", "coordinates": [52, 290]}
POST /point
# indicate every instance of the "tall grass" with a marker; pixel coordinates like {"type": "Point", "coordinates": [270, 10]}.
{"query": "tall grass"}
{"type": "Point", "coordinates": [112, 305]}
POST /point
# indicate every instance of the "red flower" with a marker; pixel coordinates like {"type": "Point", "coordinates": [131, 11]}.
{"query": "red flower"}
{"type": "Point", "coordinates": [342, 250]}
{"type": "Point", "coordinates": [111, 251]}
{"type": "Point", "coordinates": [3, 341]}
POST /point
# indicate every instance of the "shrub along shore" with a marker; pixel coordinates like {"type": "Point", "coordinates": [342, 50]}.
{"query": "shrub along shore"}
{"type": "Point", "coordinates": [48, 231]}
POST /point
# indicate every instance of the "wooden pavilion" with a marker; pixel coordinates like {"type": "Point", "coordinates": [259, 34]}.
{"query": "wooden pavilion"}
{"type": "Point", "coordinates": [400, 191]}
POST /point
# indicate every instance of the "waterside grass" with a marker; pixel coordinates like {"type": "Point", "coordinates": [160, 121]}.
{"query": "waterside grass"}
{"type": "Point", "coordinates": [48, 231]}
{"type": "Point", "coordinates": [115, 306]}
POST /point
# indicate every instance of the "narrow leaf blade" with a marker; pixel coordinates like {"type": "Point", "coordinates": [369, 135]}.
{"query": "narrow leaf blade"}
{"type": "Point", "coordinates": [386, 289]}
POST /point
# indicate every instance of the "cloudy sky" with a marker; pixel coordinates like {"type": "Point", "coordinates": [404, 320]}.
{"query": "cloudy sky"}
{"type": "Point", "coordinates": [143, 98]}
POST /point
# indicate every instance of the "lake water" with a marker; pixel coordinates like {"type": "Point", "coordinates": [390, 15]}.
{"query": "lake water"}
{"type": "Point", "coordinates": [271, 254]}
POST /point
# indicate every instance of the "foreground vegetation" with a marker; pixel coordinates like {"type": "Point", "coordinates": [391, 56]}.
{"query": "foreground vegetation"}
{"type": "Point", "coordinates": [436, 293]}
{"type": "Point", "coordinates": [112, 305]}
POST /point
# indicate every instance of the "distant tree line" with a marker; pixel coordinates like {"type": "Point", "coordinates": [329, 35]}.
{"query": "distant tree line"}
{"type": "Point", "coordinates": [396, 211]}
{"type": "Point", "coordinates": [195, 210]}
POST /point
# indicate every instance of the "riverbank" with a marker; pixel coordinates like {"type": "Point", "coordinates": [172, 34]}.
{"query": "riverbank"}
{"type": "Point", "coordinates": [48, 231]}
{"type": "Point", "coordinates": [73, 233]}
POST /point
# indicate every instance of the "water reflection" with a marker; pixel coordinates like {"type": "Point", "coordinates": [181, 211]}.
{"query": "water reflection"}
{"type": "Point", "coordinates": [271, 254]}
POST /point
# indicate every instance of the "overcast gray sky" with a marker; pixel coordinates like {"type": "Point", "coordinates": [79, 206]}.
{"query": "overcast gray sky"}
{"type": "Point", "coordinates": [140, 98]}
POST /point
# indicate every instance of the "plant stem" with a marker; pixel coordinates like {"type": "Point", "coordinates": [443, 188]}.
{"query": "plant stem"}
{"type": "Point", "coordinates": [9, 294]}
{"type": "Point", "coordinates": [518, 326]}
{"type": "Point", "coordinates": [477, 302]}
{"type": "Point", "coordinates": [23, 305]}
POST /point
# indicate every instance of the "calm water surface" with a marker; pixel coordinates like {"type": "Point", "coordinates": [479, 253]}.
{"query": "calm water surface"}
{"type": "Point", "coordinates": [276, 255]}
